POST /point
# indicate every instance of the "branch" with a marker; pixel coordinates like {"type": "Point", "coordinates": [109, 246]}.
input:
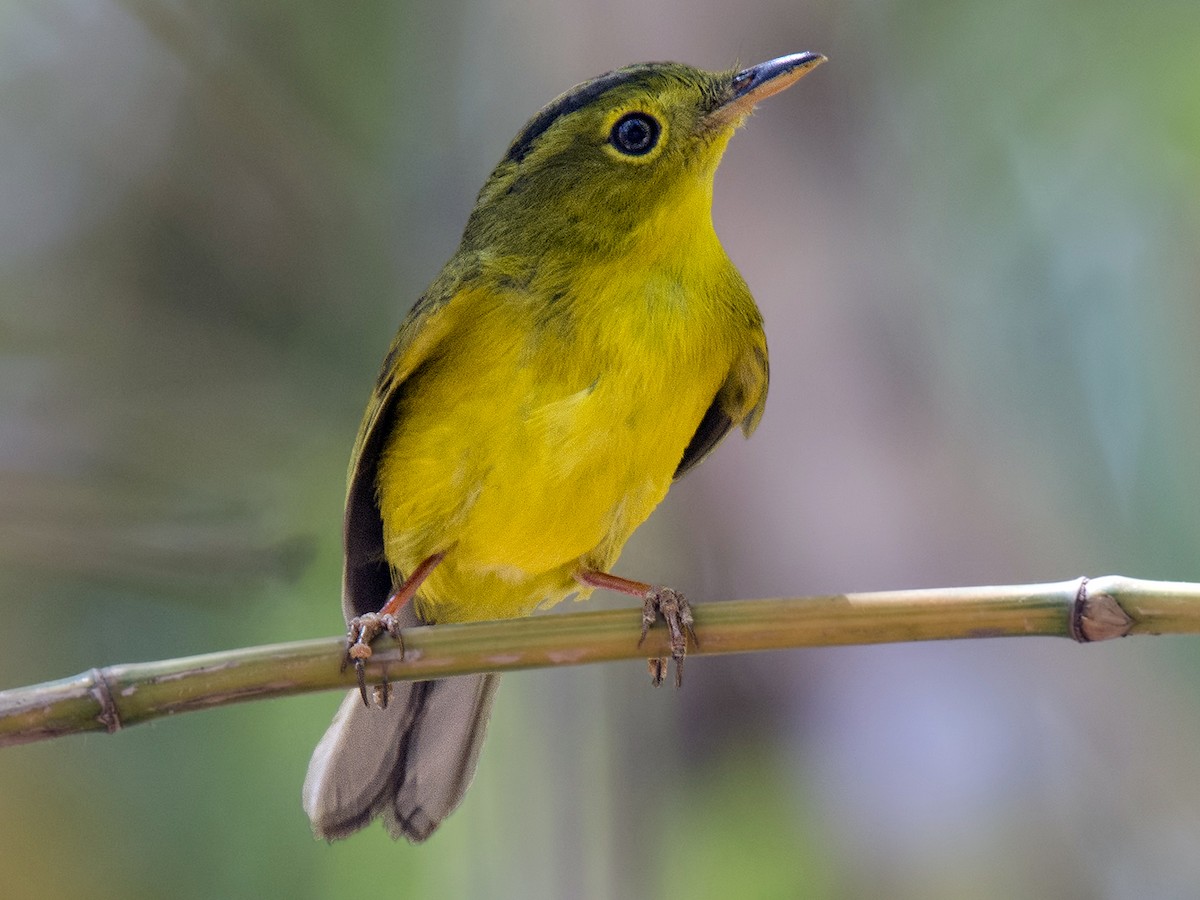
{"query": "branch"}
{"type": "Point", "coordinates": [121, 695]}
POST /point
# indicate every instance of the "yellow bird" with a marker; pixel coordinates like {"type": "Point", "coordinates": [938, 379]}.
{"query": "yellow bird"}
{"type": "Point", "coordinates": [588, 343]}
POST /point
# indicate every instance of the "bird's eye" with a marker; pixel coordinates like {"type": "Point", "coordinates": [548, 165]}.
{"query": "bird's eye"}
{"type": "Point", "coordinates": [635, 134]}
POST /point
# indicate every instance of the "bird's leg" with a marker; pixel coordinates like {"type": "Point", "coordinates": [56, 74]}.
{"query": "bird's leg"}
{"type": "Point", "coordinates": [656, 601]}
{"type": "Point", "coordinates": [361, 630]}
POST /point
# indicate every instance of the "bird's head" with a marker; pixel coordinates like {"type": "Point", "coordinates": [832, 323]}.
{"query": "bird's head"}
{"type": "Point", "coordinates": [628, 151]}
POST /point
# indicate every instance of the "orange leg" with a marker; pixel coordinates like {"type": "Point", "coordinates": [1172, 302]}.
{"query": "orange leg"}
{"type": "Point", "coordinates": [656, 601]}
{"type": "Point", "coordinates": [365, 628]}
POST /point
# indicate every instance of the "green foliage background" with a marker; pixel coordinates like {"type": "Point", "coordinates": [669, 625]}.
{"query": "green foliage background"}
{"type": "Point", "coordinates": [974, 236]}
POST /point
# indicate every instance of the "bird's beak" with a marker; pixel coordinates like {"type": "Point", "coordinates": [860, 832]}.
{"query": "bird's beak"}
{"type": "Point", "coordinates": [749, 86]}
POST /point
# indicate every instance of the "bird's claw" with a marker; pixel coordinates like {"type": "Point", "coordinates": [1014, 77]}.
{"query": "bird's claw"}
{"type": "Point", "coordinates": [675, 611]}
{"type": "Point", "coordinates": [359, 634]}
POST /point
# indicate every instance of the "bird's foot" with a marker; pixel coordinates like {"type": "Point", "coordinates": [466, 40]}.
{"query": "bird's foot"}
{"type": "Point", "coordinates": [359, 634]}
{"type": "Point", "coordinates": [361, 630]}
{"type": "Point", "coordinates": [676, 612]}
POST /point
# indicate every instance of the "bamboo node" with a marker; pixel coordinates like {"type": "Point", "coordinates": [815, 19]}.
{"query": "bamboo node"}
{"type": "Point", "coordinates": [108, 716]}
{"type": "Point", "coordinates": [1098, 616]}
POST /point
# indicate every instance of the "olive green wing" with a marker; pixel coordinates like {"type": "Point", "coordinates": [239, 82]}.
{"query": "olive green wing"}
{"type": "Point", "coordinates": [366, 576]}
{"type": "Point", "coordinates": [740, 400]}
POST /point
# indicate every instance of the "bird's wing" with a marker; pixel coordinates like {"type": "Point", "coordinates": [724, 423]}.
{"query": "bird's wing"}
{"type": "Point", "coordinates": [366, 577]}
{"type": "Point", "coordinates": [739, 401]}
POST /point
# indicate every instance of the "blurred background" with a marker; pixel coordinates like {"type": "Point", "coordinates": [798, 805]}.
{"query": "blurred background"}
{"type": "Point", "coordinates": [974, 237]}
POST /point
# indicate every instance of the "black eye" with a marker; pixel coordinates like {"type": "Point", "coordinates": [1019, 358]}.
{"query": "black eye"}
{"type": "Point", "coordinates": [635, 134]}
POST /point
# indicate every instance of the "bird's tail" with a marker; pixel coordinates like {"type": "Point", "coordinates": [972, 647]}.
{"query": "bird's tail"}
{"type": "Point", "coordinates": [410, 762]}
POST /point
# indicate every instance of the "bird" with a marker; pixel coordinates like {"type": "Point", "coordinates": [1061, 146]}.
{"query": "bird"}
{"type": "Point", "coordinates": [588, 344]}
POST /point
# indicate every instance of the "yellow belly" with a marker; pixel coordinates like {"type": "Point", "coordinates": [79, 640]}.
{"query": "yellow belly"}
{"type": "Point", "coordinates": [523, 459]}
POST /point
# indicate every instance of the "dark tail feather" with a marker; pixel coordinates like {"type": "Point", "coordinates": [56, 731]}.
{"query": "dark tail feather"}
{"type": "Point", "coordinates": [411, 762]}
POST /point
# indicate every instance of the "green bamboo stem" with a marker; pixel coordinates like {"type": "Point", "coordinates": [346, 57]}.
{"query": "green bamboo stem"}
{"type": "Point", "coordinates": [117, 696]}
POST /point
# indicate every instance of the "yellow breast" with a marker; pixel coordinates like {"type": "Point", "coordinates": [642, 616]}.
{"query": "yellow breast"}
{"type": "Point", "coordinates": [540, 435]}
